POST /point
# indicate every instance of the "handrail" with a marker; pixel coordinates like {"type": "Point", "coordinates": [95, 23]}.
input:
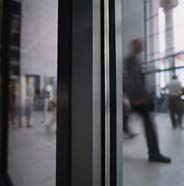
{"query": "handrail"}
{"type": "Point", "coordinates": [156, 70]}
{"type": "Point", "coordinates": [164, 58]}
{"type": "Point", "coordinates": [162, 70]}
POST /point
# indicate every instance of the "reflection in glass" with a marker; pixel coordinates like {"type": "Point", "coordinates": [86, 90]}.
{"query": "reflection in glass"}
{"type": "Point", "coordinates": [164, 81]}
{"type": "Point", "coordinates": [32, 88]}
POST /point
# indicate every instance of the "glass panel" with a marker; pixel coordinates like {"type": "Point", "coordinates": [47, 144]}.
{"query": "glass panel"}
{"type": "Point", "coordinates": [107, 95]}
{"type": "Point", "coordinates": [153, 92]}
{"type": "Point", "coordinates": [33, 87]}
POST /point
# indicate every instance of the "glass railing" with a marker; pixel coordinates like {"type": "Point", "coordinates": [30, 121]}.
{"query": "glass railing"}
{"type": "Point", "coordinates": [159, 72]}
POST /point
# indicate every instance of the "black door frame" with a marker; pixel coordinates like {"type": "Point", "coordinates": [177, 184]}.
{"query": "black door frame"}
{"type": "Point", "coordinates": [112, 92]}
{"type": "Point", "coordinates": [5, 92]}
{"type": "Point", "coordinates": [65, 40]}
{"type": "Point", "coordinates": [113, 100]}
{"type": "Point", "coordinates": [115, 88]}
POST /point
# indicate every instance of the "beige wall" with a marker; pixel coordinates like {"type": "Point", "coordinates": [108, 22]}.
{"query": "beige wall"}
{"type": "Point", "coordinates": [39, 37]}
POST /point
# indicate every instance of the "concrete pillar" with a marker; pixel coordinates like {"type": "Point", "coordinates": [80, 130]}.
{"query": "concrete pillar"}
{"type": "Point", "coordinates": [132, 23]}
{"type": "Point", "coordinates": [169, 34]}
{"type": "Point", "coordinates": [152, 41]}
{"type": "Point", "coordinates": [153, 29]}
{"type": "Point", "coordinates": [155, 23]}
{"type": "Point", "coordinates": [168, 6]}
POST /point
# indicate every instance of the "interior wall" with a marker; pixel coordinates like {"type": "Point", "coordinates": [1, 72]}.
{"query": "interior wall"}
{"type": "Point", "coordinates": [132, 22]}
{"type": "Point", "coordinates": [86, 94]}
{"type": "Point", "coordinates": [132, 28]}
{"type": "Point", "coordinates": [39, 37]}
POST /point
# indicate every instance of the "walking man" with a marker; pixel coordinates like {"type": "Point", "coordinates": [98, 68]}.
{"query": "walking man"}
{"type": "Point", "coordinates": [174, 88]}
{"type": "Point", "coordinates": [136, 92]}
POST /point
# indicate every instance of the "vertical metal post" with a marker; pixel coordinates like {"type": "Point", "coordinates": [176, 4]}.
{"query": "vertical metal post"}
{"type": "Point", "coordinates": [5, 86]}
{"type": "Point", "coordinates": [173, 65]}
{"type": "Point", "coordinates": [107, 93]}
{"type": "Point", "coordinates": [145, 30]}
{"type": "Point", "coordinates": [63, 155]}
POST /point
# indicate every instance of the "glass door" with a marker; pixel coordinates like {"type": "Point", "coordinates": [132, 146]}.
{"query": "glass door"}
{"type": "Point", "coordinates": [32, 87]}
{"type": "Point", "coordinates": [35, 120]}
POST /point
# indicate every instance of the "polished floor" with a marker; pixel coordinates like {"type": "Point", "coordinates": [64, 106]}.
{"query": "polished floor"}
{"type": "Point", "coordinates": [137, 171]}
{"type": "Point", "coordinates": [32, 154]}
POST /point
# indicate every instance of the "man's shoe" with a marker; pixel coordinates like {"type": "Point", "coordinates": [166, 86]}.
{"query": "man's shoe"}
{"type": "Point", "coordinates": [160, 159]}
{"type": "Point", "coordinates": [129, 135]}
{"type": "Point", "coordinates": [29, 126]}
{"type": "Point", "coordinates": [174, 127]}
{"type": "Point", "coordinates": [132, 135]}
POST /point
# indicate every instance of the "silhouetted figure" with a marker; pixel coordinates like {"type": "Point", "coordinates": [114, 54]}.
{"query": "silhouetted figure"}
{"type": "Point", "coordinates": [175, 103]}
{"type": "Point", "coordinates": [45, 96]}
{"type": "Point", "coordinates": [12, 102]}
{"type": "Point", "coordinates": [15, 109]}
{"type": "Point", "coordinates": [52, 120]}
{"type": "Point", "coordinates": [136, 92]}
{"type": "Point", "coordinates": [29, 102]}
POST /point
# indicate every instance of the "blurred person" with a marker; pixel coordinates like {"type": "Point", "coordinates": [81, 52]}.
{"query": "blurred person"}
{"type": "Point", "coordinates": [52, 120]}
{"type": "Point", "coordinates": [49, 90]}
{"type": "Point", "coordinates": [18, 104]}
{"type": "Point", "coordinates": [53, 103]}
{"type": "Point", "coordinates": [12, 101]}
{"type": "Point", "coordinates": [175, 88]}
{"type": "Point", "coordinates": [139, 98]}
{"type": "Point", "coordinates": [14, 104]}
{"type": "Point", "coordinates": [45, 95]}
{"type": "Point", "coordinates": [29, 101]}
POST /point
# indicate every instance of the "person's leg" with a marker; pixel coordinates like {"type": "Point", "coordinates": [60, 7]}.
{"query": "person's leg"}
{"type": "Point", "coordinates": [179, 111]}
{"type": "Point", "coordinates": [45, 109]}
{"type": "Point", "coordinates": [12, 115]}
{"type": "Point", "coordinates": [19, 115]}
{"type": "Point", "coordinates": [52, 120]}
{"type": "Point", "coordinates": [151, 137]}
{"type": "Point", "coordinates": [28, 115]}
{"type": "Point", "coordinates": [126, 128]}
{"type": "Point", "coordinates": [172, 112]}
{"type": "Point", "coordinates": [28, 121]}
{"type": "Point", "coordinates": [125, 124]}
{"type": "Point", "coordinates": [150, 133]}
